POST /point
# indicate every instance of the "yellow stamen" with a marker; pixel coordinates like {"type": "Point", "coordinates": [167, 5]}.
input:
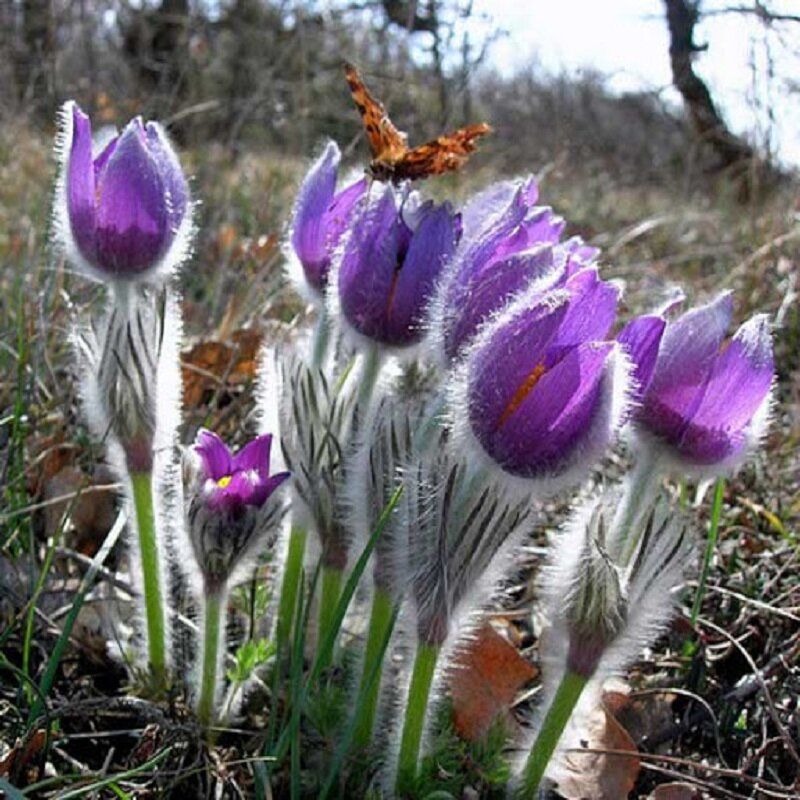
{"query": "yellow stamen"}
{"type": "Point", "coordinates": [224, 481]}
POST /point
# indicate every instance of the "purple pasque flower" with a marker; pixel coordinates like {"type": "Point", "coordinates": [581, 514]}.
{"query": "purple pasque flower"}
{"type": "Point", "coordinates": [233, 481]}
{"type": "Point", "coordinates": [708, 398]}
{"type": "Point", "coordinates": [121, 210]}
{"type": "Point", "coordinates": [501, 254]}
{"type": "Point", "coordinates": [321, 216]}
{"type": "Point", "coordinates": [543, 391]}
{"type": "Point", "coordinates": [230, 507]}
{"type": "Point", "coordinates": [390, 264]}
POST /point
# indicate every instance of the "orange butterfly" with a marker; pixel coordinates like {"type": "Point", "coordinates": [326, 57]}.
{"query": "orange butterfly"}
{"type": "Point", "coordinates": [392, 158]}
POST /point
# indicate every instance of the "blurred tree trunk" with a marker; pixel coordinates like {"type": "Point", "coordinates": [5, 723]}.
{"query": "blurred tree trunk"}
{"type": "Point", "coordinates": [35, 57]}
{"type": "Point", "coordinates": [733, 152]}
{"type": "Point", "coordinates": [156, 41]}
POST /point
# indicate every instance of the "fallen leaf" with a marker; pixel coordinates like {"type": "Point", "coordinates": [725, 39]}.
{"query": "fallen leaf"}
{"type": "Point", "coordinates": [214, 366]}
{"type": "Point", "coordinates": [598, 776]}
{"type": "Point", "coordinates": [676, 791]}
{"type": "Point", "coordinates": [91, 508]}
{"type": "Point", "coordinates": [15, 762]}
{"type": "Point", "coordinates": [485, 680]}
{"type": "Point", "coordinates": [644, 715]}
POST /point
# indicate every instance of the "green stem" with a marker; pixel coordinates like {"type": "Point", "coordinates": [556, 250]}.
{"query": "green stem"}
{"type": "Point", "coordinates": [142, 483]}
{"type": "Point", "coordinates": [380, 620]}
{"type": "Point", "coordinates": [291, 575]}
{"type": "Point", "coordinates": [642, 486]}
{"type": "Point", "coordinates": [711, 546]}
{"type": "Point", "coordinates": [416, 709]}
{"type": "Point", "coordinates": [214, 601]}
{"type": "Point", "coordinates": [329, 598]}
{"type": "Point", "coordinates": [569, 691]}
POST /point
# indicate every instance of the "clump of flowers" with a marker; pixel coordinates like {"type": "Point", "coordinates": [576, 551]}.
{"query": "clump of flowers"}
{"type": "Point", "coordinates": [468, 365]}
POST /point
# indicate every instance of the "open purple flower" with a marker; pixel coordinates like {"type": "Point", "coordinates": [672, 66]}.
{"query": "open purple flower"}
{"type": "Point", "coordinates": [500, 256]}
{"type": "Point", "coordinates": [708, 397]}
{"type": "Point", "coordinates": [233, 481]}
{"type": "Point", "coordinates": [543, 394]}
{"type": "Point", "coordinates": [321, 216]}
{"type": "Point", "coordinates": [229, 509]}
{"type": "Point", "coordinates": [123, 209]}
{"type": "Point", "coordinates": [390, 264]}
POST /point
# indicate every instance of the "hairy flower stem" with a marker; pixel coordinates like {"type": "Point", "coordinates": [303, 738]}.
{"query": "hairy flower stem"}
{"type": "Point", "coordinates": [416, 709]}
{"type": "Point", "coordinates": [331, 589]}
{"type": "Point", "coordinates": [556, 719]}
{"type": "Point", "coordinates": [142, 484]}
{"type": "Point", "coordinates": [369, 375]}
{"type": "Point", "coordinates": [322, 334]}
{"type": "Point", "coordinates": [212, 627]}
{"type": "Point", "coordinates": [379, 622]}
{"type": "Point", "coordinates": [291, 575]}
{"type": "Point", "coordinates": [642, 486]}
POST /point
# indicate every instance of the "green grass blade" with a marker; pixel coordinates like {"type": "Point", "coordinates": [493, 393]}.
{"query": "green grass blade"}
{"type": "Point", "coordinates": [324, 652]}
{"type": "Point", "coordinates": [363, 697]}
{"type": "Point", "coordinates": [58, 650]}
{"type": "Point", "coordinates": [711, 546]}
{"type": "Point", "coordinates": [10, 792]}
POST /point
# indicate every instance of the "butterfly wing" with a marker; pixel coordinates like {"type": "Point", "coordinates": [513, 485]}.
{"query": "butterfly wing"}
{"type": "Point", "coordinates": [386, 143]}
{"type": "Point", "coordinates": [446, 153]}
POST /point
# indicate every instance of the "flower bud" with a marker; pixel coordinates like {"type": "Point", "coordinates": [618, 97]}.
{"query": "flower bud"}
{"type": "Point", "coordinates": [708, 400]}
{"type": "Point", "coordinates": [123, 212]}
{"type": "Point", "coordinates": [321, 216]}
{"type": "Point", "coordinates": [230, 503]}
{"type": "Point", "coordinates": [390, 263]}
{"type": "Point", "coordinates": [603, 612]}
{"type": "Point", "coordinates": [541, 391]}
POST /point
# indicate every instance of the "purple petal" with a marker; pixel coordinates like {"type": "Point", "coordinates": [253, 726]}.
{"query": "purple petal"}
{"type": "Point", "coordinates": [592, 309]}
{"type": "Point", "coordinates": [514, 349]}
{"type": "Point", "coordinates": [740, 381]}
{"type": "Point", "coordinates": [553, 418]}
{"type": "Point", "coordinates": [308, 226]}
{"type": "Point", "coordinates": [254, 455]}
{"type": "Point", "coordinates": [132, 218]}
{"type": "Point", "coordinates": [80, 184]}
{"type": "Point", "coordinates": [340, 212]}
{"type": "Point", "coordinates": [101, 161]}
{"type": "Point", "coordinates": [431, 247]}
{"type": "Point", "coordinates": [689, 348]}
{"type": "Point", "coordinates": [369, 262]}
{"type": "Point", "coordinates": [575, 254]}
{"type": "Point", "coordinates": [175, 189]}
{"type": "Point", "coordinates": [641, 338]}
{"type": "Point", "coordinates": [216, 458]}
{"type": "Point", "coordinates": [484, 208]}
{"type": "Point", "coordinates": [265, 488]}
{"type": "Point", "coordinates": [490, 289]}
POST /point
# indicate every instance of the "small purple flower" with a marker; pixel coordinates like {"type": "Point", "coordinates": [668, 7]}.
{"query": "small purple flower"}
{"type": "Point", "coordinates": [501, 254]}
{"type": "Point", "coordinates": [708, 397]}
{"type": "Point", "coordinates": [229, 509]}
{"type": "Point", "coordinates": [232, 481]}
{"type": "Point", "coordinates": [540, 388]}
{"type": "Point", "coordinates": [321, 216]}
{"type": "Point", "coordinates": [390, 264]}
{"type": "Point", "coordinates": [122, 209]}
